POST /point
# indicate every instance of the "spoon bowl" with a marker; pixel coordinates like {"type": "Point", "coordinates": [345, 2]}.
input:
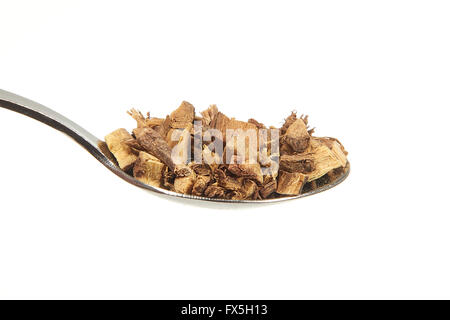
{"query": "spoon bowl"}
{"type": "Point", "coordinates": [99, 150]}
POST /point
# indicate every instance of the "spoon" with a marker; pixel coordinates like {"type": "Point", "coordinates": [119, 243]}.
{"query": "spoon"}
{"type": "Point", "coordinates": [99, 150]}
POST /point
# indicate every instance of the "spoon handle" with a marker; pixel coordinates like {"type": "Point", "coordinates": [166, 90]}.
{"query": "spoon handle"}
{"type": "Point", "coordinates": [43, 114]}
{"type": "Point", "coordinates": [34, 110]}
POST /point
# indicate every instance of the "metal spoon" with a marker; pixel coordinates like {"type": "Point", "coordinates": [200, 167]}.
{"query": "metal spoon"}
{"type": "Point", "coordinates": [99, 150]}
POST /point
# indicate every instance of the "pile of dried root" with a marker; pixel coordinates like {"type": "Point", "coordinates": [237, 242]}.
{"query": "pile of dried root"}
{"type": "Point", "coordinates": [300, 163]}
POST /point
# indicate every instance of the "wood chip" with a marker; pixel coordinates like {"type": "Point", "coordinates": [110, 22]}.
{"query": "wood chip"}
{"type": "Point", "coordinates": [200, 185]}
{"type": "Point", "coordinates": [297, 136]}
{"type": "Point", "coordinates": [182, 116]}
{"type": "Point", "coordinates": [122, 152]}
{"type": "Point", "coordinates": [154, 144]}
{"type": "Point", "coordinates": [290, 183]}
{"type": "Point", "coordinates": [184, 184]}
{"type": "Point", "coordinates": [148, 169]}
{"type": "Point", "coordinates": [250, 171]}
{"type": "Point", "coordinates": [297, 163]}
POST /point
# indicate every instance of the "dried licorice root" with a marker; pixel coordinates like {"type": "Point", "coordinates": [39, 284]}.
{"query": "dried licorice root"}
{"type": "Point", "coordinates": [215, 156]}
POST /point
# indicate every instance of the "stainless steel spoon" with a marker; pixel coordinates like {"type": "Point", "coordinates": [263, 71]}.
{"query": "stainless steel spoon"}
{"type": "Point", "coordinates": [98, 148]}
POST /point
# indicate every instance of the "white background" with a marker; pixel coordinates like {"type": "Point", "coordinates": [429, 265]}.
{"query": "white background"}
{"type": "Point", "coordinates": [375, 74]}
